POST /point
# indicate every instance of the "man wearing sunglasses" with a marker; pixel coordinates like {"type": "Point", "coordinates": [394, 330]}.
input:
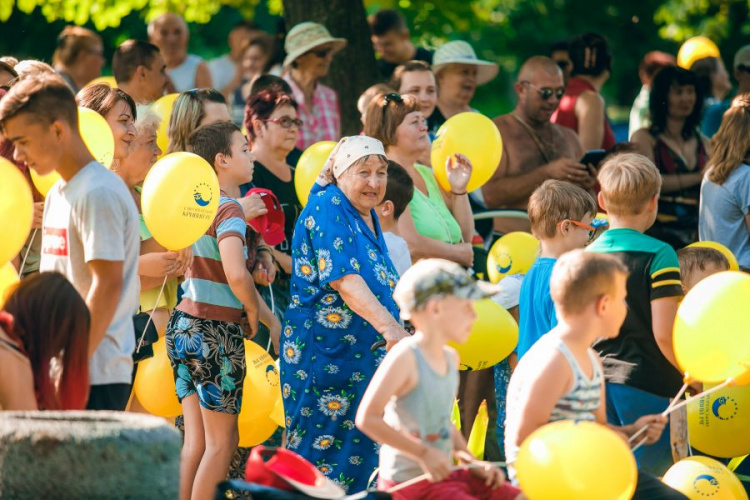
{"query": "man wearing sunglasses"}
{"type": "Point", "coordinates": [534, 149]}
{"type": "Point", "coordinates": [715, 112]}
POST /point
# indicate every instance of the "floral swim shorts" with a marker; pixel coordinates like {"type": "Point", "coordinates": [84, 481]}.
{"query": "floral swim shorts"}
{"type": "Point", "coordinates": [208, 359]}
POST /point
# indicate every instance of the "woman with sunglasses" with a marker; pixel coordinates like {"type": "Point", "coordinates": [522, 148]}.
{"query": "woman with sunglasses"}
{"type": "Point", "coordinates": [582, 106]}
{"type": "Point", "coordinates": [310, 49]}
{"type": "Point", "coordinates": [273, 128]}
{"type": "Point", "coordinates": [436, 223]}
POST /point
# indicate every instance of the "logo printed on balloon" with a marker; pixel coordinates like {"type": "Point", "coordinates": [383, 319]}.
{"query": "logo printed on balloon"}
{"type": "Point", "coordinates": [728, 405]}
{"type": "Point", "coordinates": [706, 485]}
{"type": "Point", "coordinates": [502, 258]}
{"type": "Point", "coordinates": [203, 194]}
{"type": "Point", "coordinates": [272, 375]}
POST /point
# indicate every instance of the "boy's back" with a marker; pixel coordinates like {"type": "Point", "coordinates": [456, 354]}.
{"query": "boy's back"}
{"type": "Point", "coordinates": [633, 358]}
{"type": "Point", "coordinates": [535, 307]}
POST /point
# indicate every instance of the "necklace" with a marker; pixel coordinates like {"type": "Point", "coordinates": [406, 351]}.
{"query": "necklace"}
{"type": "Point", "coordinates": [547, 154]}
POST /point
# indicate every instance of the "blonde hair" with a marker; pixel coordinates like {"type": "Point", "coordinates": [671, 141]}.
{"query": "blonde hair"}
{"type": "Point", "coordinates": [187, 114]}
{"type": "Point", "coordinates": [628, 182]}
{"type": "Point", "coordinates": [383, 118]}
{"type": "Point", "coordinates": [580, 278]}
{"type": "Point", "coordinates": [731, 144]}
{"type": "Point", "coordinates": [71, 42]}
{"type": "Point", "coordinates": [553, 202]}
{"type": "Point", "coordinates": [32, 67]}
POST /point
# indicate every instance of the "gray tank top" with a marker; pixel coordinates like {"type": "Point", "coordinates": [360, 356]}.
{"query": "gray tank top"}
{"type": "Point", "coordinates": [425, 412]}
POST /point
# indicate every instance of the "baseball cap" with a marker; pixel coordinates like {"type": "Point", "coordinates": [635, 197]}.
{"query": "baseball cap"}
{"type": "Point", "coordinates": [270, 225]}
{"type": "Point", "coordinates": [432, 278]}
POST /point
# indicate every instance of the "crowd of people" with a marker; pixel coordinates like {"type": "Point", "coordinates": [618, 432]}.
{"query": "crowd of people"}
{"type": "Point", "coordinates": [362, 286]}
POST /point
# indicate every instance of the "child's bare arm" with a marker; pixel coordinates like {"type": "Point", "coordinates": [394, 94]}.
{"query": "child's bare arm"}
{"type": "Point", "coordinates": [663, 312]}
{"type": "Point", "coordinates": [239, 279]}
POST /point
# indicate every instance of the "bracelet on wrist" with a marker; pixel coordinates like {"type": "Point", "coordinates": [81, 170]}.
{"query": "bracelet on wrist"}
{"type": "Point", "coordinates": [459, 194]}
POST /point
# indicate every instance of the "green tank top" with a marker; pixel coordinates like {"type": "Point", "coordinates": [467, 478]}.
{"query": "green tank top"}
{"type": "Point", "coordinates": [431, 216]}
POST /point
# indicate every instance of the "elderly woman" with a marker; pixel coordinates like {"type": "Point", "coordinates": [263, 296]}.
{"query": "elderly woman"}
{"type": "Point", "coordinates": [458, 73]}
{"type": "Point", "coordinates": [310, 49]}
{"type": "Point", "coordinates": [436, 223]}
{"type": "Point", "coordinates": [341, 307]}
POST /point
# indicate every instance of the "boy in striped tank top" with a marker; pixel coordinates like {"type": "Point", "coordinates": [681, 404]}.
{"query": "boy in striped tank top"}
{"type": "Point", "coordinates": [407, 406]}
{"type": "Point", "coordinates": [206, 331]}
{"type": "Point", "coordinates": [560, 378]}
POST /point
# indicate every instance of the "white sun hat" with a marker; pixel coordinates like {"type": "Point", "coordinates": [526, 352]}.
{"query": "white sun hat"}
{"type": "Point", "coordinates": [460, 52]}
{"type": "Point", "coordinates": [304, 37]}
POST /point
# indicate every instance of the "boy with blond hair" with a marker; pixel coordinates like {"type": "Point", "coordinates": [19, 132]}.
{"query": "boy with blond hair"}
{"type": "Point", "coordinates": [698, 263]}
{"type": "Point", "coordinates": [560, 214]}
{"type": "Point", "coordinates": [639, 364]}
{"type": "Point", "coordinates": [561, 377]}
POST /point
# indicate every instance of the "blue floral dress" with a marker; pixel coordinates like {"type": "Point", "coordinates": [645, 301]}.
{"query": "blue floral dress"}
{"type": "Point", "coordinates": [326, 361]}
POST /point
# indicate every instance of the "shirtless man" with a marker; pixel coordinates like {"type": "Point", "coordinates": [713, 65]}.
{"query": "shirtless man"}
{"type": "Point", "coordinates": [534, 149]}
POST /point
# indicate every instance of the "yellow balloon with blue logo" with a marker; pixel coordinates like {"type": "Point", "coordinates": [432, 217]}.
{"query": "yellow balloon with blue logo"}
{"type": "Point", "coordinates": [97, 135]}
{"type": "Point", "coordinates": [733, 264]}
{"type": "Point", "coordinates": [474, 136]}
{"type": "Point", "coordinates": [513, 253]}
{"type": "Point", "coordinates": [699, 478]}
{"type": "Point", "coordinates": [711, 336]}
{"type": "Point", "coordinates": [16, 210]}
{"type": "Point", "coordinates": [493, 337]}
{"type": "Point", "coordinates": [179, 200]}
{"type": "Point", "coordinates": [308, 168]}
{"type": "Point", "coordinates": [719, 423]}
{"type": "Point", "coordinates": [261, 396]}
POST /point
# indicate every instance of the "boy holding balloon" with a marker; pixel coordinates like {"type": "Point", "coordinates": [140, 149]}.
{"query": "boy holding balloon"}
{"type": "Point", "coordinates": [205, 333]}
{"type": "Point", "coordinates": [407, 406]}
{"type": "Point", "coordinates": [561, 377]}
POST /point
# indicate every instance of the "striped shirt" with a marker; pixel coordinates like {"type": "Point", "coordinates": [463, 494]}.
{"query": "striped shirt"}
{"type": "Point", "coordinates": [321, 118]}
{"type": "Point", "coordinates": [207, 294]}
{"type": "Point", "coordinates": [585, 397]}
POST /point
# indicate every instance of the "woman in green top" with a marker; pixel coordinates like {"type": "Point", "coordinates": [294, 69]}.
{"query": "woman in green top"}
{"type": "Point", "coordinates": [436, 223]}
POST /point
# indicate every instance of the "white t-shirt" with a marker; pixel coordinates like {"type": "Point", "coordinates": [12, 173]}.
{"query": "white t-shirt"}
{"type": "Point", "coordinates": [94, 217]}
{"type": "Point", "coordinates": [222, 71]}
{"type": "Point", "coordinates": [399, 251]}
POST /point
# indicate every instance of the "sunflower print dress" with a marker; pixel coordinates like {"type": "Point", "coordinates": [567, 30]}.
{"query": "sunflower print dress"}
{"type": "Point", "coordinates": [326, 361]}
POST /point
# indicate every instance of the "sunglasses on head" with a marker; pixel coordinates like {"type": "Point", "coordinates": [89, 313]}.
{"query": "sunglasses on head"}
{"type": "Point", "coordinates": [393, 97]}
{"type": "Point", "coordinates": [285, 121]}
{"type": "Point", "coordinates": [545, 92]}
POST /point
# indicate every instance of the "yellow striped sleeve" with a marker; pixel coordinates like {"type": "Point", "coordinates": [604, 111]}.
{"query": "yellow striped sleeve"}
{"type": "Point", "coordinates": [666, 282]}
{"type": "Point", "coordinates": [665, 271]}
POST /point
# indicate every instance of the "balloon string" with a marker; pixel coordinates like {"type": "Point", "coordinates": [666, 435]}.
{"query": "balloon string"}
{"type": "Point", "coordinates": [158, 298]}
{"type": "Point", "coordinates": [273, 311]}
{"type": "Point", "coordinates": [674, 407]}
{"type": "Point", "coordinates": [31, 241]}
{"type": "Point", "coordinates": [663, 414]}
{"type": "Point", "coordinates": [424, 477]}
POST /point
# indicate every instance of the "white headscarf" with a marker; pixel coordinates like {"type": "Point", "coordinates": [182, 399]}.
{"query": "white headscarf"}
{"type": "Point", "coordinates": [347, 152]}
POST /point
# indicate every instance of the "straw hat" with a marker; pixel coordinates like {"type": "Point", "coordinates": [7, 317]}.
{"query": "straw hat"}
{"type": "Point", "coordinates": [304, 37]}
{"type": "Point", "coordinates": [460, 52]}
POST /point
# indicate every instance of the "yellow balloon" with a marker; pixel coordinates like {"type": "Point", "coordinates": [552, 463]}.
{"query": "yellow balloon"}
{"type": "Point", "coordinates": [718, 422]}
{"type": "Point", "coordinates": [702, 477]}
{"type": "Point", "coordinates": [154, 384]}
{"type": "Point", "coordinates": [277, 414]}
{"type": "Point", "coordinates": [570, 460]}
{"type": "Point", "coordinates": [97, 135]}
{"type": "Point", "coordinates": [309, 166]}
{"type": "Point", "coordinates": [474, 136]}
{"type": "Point", "coordinates": [493, 337]}
{"type": "Point", "coordinates": [44, 183]}
{"type": "Point", "coordinates": [514, 253]}
{"type": "Point", "coordinates": [8, 281]}
{"type": "Point", "coordinates": [733, 264]}
{"type": "Point", "coordinates": [16, 210]}
{"type": "Point", "coordinates": [696, 48]}
{"type": "Point", "coordinates": [711, 337]}
{"type": "Point", "coordinates": [261, 393]}
{"type": "Point", "coordinates": [109, 80]}
{"type": "Point", "coordinates": [162, 107]}
{"type": "Point", "coordinates": [179, 200]}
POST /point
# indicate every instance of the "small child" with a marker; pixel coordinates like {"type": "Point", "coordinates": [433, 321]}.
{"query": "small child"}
{"type": "Point", "coordinates": [639, 365]}
{"type": "Point", "coordinates": [398, 193]}
{"type": "Point", "coordinates": [560, 214]}
{"type": "Point", "coordinates": [205, 333]}
{"type": "Point", "coordinates": [407, 406]}
{"type": "Point", "coordinates": [698, 263]}
{"type": "Point", "coordinates": [561, 376]}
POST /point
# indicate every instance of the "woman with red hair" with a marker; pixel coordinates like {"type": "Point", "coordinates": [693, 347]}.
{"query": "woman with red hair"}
{"type": "Point", "coordinates": [44, 319]}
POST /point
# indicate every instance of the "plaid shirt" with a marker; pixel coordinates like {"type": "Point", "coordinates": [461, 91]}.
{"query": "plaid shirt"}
{"type": "Point", "coordinates": [322, 117]}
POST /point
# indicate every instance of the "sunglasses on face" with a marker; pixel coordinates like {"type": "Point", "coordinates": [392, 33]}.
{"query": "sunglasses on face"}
{"type": "Point", "coordinates": [743, 68]}
{"type": "Point", "coordinates": [590, 229]}
{"type": "Point", "coordinates": [563, 65]}
{"type": "Point", "coordinates": [321, 53]}
{"type": "Point", "coordinates": [545, 92]}
{"type": "Point", "coordinates": [286, 122]}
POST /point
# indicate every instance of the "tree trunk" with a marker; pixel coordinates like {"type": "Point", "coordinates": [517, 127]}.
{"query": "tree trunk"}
{"type": "Point", "coordinates": [354, 68]}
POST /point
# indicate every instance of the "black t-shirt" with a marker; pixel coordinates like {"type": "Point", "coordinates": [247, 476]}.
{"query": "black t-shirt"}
{"type": "Point", "coordinates": [387, 69]}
